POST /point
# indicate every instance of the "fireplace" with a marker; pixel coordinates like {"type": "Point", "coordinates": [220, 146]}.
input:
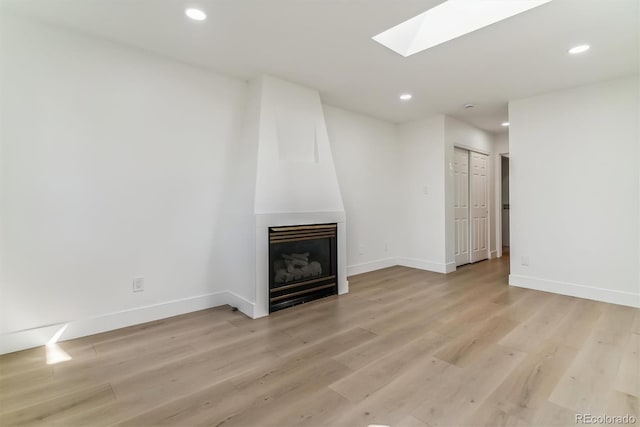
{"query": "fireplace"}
{"type": "Point", "coordinates": [302, 264]}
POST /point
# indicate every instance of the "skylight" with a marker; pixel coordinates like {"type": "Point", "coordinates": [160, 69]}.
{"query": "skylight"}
{"type": "Point", "coordinates": [449, 20]}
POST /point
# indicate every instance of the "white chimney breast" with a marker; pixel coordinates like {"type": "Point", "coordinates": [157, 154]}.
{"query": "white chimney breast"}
{"type": "Point", "coordinates": [297, 140]}
{"type": "Point", "coordinates": [296, 181]}
{"type": "Point", "coordinates": [295, 171]}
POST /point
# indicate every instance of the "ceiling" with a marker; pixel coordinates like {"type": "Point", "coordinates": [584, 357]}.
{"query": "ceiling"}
{"type": "Point", "coordinates": [326, 44]}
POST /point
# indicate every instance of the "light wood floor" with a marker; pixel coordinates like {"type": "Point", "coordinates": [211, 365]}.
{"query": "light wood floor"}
{"type": "Point", "coordinates": [406, 348]}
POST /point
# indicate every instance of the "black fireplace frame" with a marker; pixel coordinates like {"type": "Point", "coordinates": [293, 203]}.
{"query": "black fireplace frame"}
{"type": "Point", "coordinates": [305, 290]}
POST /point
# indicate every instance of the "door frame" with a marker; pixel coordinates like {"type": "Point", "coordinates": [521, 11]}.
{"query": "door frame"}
{"type": "Point", "coordinates": [498, 199]}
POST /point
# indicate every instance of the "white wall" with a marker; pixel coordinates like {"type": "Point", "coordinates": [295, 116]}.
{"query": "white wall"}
{"type": "Point", "coordinates": [426, 180]}
{"type": "Point", "coordinates": [422, 198]}
{"type": "Point", "coordinates": [501, 143]}
{"type": "Point", "coordinates": [237, 237]}
{"type": "Point", "coordinates": [463, 135]}
{"type": "Point", "coordinates": [574, 191]}
{"type": "Point", "coordinates": [366, 160]}
{"type": "Point", "coordinates": [113, 166]}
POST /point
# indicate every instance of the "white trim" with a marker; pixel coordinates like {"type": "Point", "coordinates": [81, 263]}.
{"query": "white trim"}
{"type": "Point", "coordinates": [475, 150]}
{"type": "Point", "coordinates": [427, 265]}
{"type": "Point", "coordinates": [576, 290]}
{"type": "Point", "coordinates": [366, 267]}
{"type": "Point", "coordinates": [344, 289]}
{"type": "Point", "coordinates": [450, 267]}
{"type": "Point", "coordinates": [498, 199]}
{"type": "Point", "coordinates": [35, 337]}
{"type": "Point", "coordinates": [244, 305]}
{"type": "Point", "coordinates": [298, 218]}
{"type": "Point", "coordinates": [493, 254]}
{"type": "Point", "coordinates": [497, 188]}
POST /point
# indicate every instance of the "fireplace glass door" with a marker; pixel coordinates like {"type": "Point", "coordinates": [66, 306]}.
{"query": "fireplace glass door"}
{"type": "Point", "coordinates": [302, 264]}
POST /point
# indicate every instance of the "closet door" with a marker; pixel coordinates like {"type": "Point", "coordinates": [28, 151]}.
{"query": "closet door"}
{"type": "Point", "coordinates": [461, 205]}
{"type": "Point", "coordinates": [479, 206]}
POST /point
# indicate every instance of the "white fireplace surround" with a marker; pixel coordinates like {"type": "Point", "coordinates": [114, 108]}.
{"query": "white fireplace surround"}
{"type": "Point", "coordinates": [263, 222]}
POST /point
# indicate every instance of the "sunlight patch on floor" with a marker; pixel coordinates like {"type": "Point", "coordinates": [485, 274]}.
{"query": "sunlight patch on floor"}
{"type": "Point", "coordinates": [54, 354]}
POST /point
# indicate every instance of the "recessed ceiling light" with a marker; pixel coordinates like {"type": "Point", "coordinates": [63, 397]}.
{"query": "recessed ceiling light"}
{"type": "Point", "coordinates": [195, 14]}
{"type": "Point", "coordinates": [579, 49]}
{"type": "Point", "coordinates": [505, 124]}
{"type": "Point", "coordinates": [449, 20]}
{"type": "Point", "coordinates": [406, 96]}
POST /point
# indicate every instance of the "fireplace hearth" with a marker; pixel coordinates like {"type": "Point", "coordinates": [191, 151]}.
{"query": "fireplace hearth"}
{"type": "Point", "coordinates": [302, 264]}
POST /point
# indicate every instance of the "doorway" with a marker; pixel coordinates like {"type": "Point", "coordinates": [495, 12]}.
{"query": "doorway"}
{"type": "Point", "coordinates": [504, 189]}
{"type": "Point", "coordinates": [471, 206]}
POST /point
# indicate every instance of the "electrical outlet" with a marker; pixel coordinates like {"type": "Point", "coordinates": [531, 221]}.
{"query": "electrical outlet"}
{"type": "Point", "coordinates": [386, 247]}
{"type": "Point", "coordinates": [361, 250]}
{"type": "Point", "coordinates": [425, 190]}
{"type": "Point", "coordinates": [138, 284]}
{"type": "Point", "coordinates": [524, 260]}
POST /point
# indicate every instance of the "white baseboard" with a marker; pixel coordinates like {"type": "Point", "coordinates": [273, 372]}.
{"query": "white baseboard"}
{"type": "Point", "coordinates": [366, 267]}
{"type": "Point", "coordinates": [493, 254]}
{"type": "Point", "coordinates": [244, 305]}
{"type": "Point", "coordinates": [576, 290]}
{"type": "Point", "coordinates": [437, 267]}
{"type": "Point", "coordinates": [405, 262]}
{"type": "Point", "coordinates": [38, 336]}
{"type": "Point", "coordinates": [345, 289]}
{"type": "Point", "coordinates": [450, 267]}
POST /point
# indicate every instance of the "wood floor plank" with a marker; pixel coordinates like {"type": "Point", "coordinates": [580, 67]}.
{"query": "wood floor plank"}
{"type": "Point", "coordinates": [180, 376]}
{"type": "Point", "coordinates": [528, 334]}
{"type": "Point", "coordinates": [380, 346]}
{"type": "Point", "coordinates": [24, 379]}
{"type": "Point", "coordinates": [397, 399]}
{"type": "Point", "coordinates": [58, 406]}
{"type": "Point", "coordinates": [312, 409]}
{"type": "Point", "coordinates": [587, 382]}
{"type": "Point", "coordinates": [628, 378]}
{"type": "Point", "coordinates": [530, 384]}
{"type": "Point", "coordinates": [579, 323]}
{"type": "Point", "coordinates": [274, 400]}
{"type": "Point", "coordinates": [467, 348]}
{"type": "Point", "coordinates": [376, 375]}
{"type": "Point", "coordinates": [196, 408]}
{"type": "Point", "coordinates": [635, 327]}
{"type": "Point", "coordinates": [552, 415]}
{"type": "Point", "coordinates": [455, 401]}
{"type": "Point", "coordinates": [489, 415]}
{"type": "Point", "coordinates": [410, 421]}
{"type": "Point", "coordinates": [510, 296]}
{"type": "Point", "coordinates": [623, 405]}
{"type": "Point", "coordinates": [523, 308]}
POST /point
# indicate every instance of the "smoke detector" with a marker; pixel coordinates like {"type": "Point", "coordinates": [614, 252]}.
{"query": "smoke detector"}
{"type": "Point", "coordinates": [469, 105]}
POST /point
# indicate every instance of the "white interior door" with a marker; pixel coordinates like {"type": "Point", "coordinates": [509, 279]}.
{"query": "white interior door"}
{"type": "Point", "coordinates": [461, 205]}
{"type": "Point", "coordinates": [479, 193]}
